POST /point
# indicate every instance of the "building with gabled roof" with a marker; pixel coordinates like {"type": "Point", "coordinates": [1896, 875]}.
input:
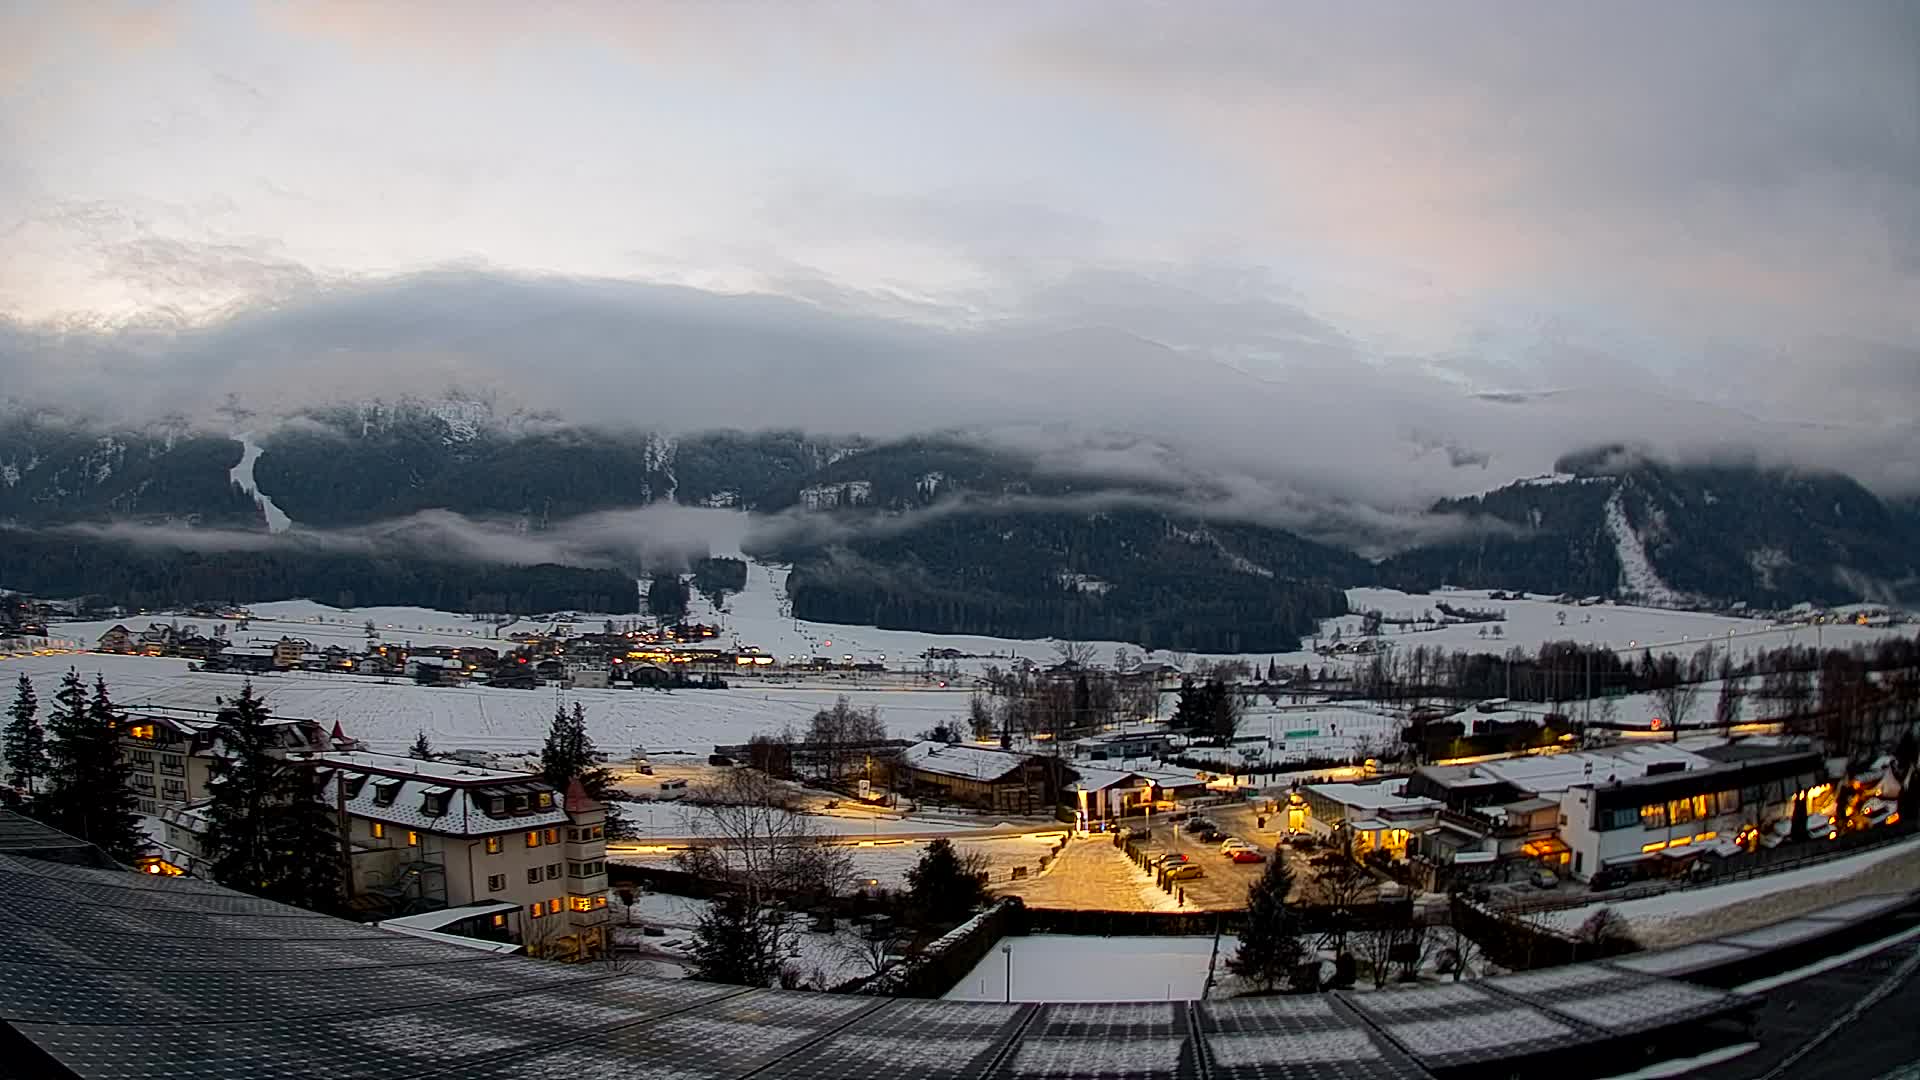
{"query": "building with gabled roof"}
{"type": "Point", "coordinates": [989, 778]}
{"type": "Point", "coordinates": [427, 835]}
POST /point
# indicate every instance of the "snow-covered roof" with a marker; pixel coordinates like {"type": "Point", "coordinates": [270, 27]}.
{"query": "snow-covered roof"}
{"type": "Point", "coordinates": [399, 765]}
{"type": "Point", "coordinates": [1546, 773]}
{"type": "Point", "coordinates": [964, 762]}
{"type": "Point", "coordinates": [1373, 798]}
{"type": "Point", "coordinates": [466, 809]}
{"type": "Point", "coordinates": [445, 917]}
{"type": "Point", "coordinates": [1102, 779]}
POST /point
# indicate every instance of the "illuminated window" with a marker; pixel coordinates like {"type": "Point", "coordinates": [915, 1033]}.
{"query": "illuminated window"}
{"type": "Point", "coordinates": [493, 845]}
{"type": "Point", "coordinates": [600, 900]}
{"type": "Point", "coordinates": [499, 921]}
{"type": "Point", "coordinates": [1653, 816]}
{"type": "Point", "coordinates": [580, 903]}
{"type": "Point", "coordinates": [553, 906]}
{"type": "Point", "coordinates": [599, 831]}
{"type": "Point", "coordinates": [413, 838]}
{"type": "Point", "coordinates": [1657, 845]}
{"type": "Point", "coordinates": [533, 839]}
{"type": "Point", "coordinates": [536, 909]}
{"type": "Point", "coordinates": [553, 836]}
{"type": "Point", "coordinates": [545, 799]}
{"type": "Point", "coordinates": [379, 831]}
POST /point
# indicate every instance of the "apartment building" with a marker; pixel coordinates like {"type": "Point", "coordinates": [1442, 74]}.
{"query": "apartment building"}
{"type": "Point", "coordinates": [431, 835]}
{"type": "Point", "coordinates": [1583, 812]}
{"type": "Point", "coordinates": [171, 753]}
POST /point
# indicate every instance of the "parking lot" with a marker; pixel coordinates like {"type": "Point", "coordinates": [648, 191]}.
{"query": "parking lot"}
{"type": "Point", "coordinates": [1224, 883]}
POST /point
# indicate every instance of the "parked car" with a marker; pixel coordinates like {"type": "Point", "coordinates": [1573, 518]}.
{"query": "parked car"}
{"type": "Point", "coordinates": [1544, 879]}
{"type": "Point", "coordinates": [1232, 842]}
{"type": "Point", "coordinates": [1171, 858]}
{"type": "Point", "coordinates": [1246, 855]}
{"type": "Point", "coordinates": [1210, 835]}
{"type": "Point", "coordinates": [1186, 872]}
{"type": "Point", "coordinates": [1199, 825]}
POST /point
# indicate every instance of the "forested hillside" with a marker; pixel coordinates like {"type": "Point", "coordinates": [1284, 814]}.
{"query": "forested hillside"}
{"type": "Point", "coordinates": [52, 471]}
{"type": "Point", "coordinates": [1127, 575]}
{"type": "Point", "coordinates": [1714, 534]}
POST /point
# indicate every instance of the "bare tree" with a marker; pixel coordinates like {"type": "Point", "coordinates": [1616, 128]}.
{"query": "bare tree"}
{"type": "Point", "coordinates": [763, 854]}
{"type": "Point", "coordinates": [1677, 702]}
{"type": "Point", "coordinates": [1077, 653]}
{"type": "Point", "coordinates": [1458, 951]}
{"type": "Point", "coordinates": [875, 952]}
{"type": "Point", "coordinates": [1374, 947]}
{"type": "Point", "coordinates": [1340, 888]}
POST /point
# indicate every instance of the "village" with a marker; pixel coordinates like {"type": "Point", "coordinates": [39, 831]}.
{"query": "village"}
{"type": "Point", "coordinates": [1422, 839]}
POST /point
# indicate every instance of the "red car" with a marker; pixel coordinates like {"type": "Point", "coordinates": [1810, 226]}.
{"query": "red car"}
{"type": "Point", "coordinates": [1247, 855]}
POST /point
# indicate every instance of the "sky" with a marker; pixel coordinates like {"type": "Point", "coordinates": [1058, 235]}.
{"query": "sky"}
{"type": "Point", "coordinates": [1303, 237]}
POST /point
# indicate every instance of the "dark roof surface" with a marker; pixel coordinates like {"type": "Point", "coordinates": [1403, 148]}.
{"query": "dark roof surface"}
{"type": "Point", "coordinates": [118, 975]}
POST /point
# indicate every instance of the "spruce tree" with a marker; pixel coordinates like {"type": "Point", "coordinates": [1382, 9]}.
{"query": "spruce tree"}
{"type": "Point", "coordinates": [243, 786]}
{"type": "Point", "coordinates": [1270, 943]}
{"type": "Point", "coordinates": [569, 753]}
{"type": "Point", "coordinates": [89, 789]}
{"type": "Point", "coordinates": [421, 748]}
{"type": "Point", "coordinates": [26, 741]}
{"type": "Point", "coordinates": [729, 945]}
{"type": "Point", "coordinates": [269, 829]}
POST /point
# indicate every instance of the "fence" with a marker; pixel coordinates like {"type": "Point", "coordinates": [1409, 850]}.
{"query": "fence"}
{"type": "Point", "coordinates": [947, 960]}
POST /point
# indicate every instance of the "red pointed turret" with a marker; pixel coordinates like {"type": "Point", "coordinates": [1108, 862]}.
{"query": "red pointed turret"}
{"type": "Point", "coordinates": [578, 801]}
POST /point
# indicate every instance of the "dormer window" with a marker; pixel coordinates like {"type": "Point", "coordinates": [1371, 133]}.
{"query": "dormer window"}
{"type": "Point", "coordinates": [385, 791]}
{"type": "Point", "coordinates": [434, 801]}
{"type": "Point", "coordinates": [544, 800]}
{"type": "Point", "coordinates": [355, 782]}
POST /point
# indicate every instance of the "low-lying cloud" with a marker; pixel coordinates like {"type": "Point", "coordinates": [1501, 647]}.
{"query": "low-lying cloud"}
{"type": "Point", "coordinates": [1105, 401]}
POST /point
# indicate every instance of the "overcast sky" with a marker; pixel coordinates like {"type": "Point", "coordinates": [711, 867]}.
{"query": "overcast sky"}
{"type": "Point", "coordinates": [1360, 216]}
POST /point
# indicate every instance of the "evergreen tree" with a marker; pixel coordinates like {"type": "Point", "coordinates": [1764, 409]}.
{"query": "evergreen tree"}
{"type": "Point", "coordinates": [569, 753]}
{"type": "Point", "coordinates": [421, 748]}
{"type": "Point", "coordinates": [945, 886]}
{"type": "Point", "coordinates": [1270, 943]}
{"type": "Point", "coordinates": [89, 791]}
{"type": "Point", "coordinates": [244, 785]}
{"type": "Point", "coordinates": [269, 830]}
{"type": "Point", "coordinates": [26, 742]}
{"type": "Point", "coordinates": [729, 945]}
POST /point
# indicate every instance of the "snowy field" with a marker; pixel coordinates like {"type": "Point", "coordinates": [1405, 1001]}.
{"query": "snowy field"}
{"type": "Point", "coordinates": [386, 713]}
{"type": "Point", "coordinates": [1530, 623]}
{"type": "Point", "coordinates": [1050, 967]}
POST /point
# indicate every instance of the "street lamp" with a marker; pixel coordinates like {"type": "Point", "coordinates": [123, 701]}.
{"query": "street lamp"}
{"type": "Point", "coordinates": [1007, 951]}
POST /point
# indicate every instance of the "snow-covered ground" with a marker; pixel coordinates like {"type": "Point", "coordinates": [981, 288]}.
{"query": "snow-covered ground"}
{"type": "Point", "coordinates": [1637, 575]}
{"type": "Point", "coordinates": [821, 959]}
{"type": "Point", "coordinates": [1674, 918]}
{"type": "Point", "coordinates": [1531, 623]}
{"type": "Point", "coordinates": [1057, 968]}
{"type": "Point", "coordinates": [387, 713]}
